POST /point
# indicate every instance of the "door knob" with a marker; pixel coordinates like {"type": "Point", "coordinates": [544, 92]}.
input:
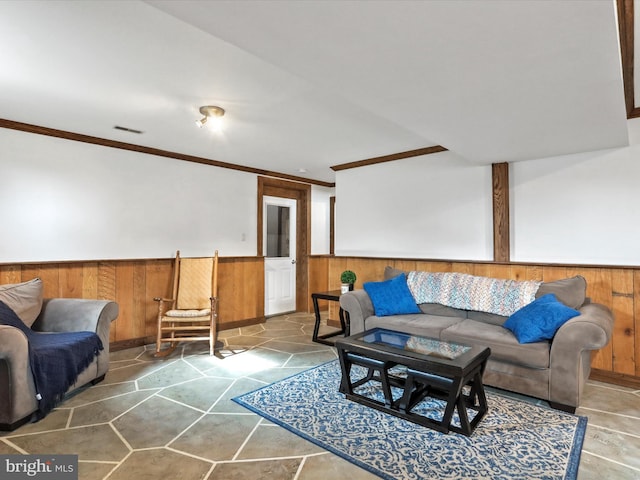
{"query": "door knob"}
{"type": "Point", "coordinates": [293, 261]}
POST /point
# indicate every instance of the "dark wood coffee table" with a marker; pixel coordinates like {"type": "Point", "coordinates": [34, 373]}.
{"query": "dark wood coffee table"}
{"type": "Point", "coordinates": [433, 368]}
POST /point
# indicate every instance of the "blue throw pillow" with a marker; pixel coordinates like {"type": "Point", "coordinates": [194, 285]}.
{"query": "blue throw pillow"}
{"type": "Point", "coordinates": [540, 320]}
{"type": "Point", "coordinates": [391, 297]}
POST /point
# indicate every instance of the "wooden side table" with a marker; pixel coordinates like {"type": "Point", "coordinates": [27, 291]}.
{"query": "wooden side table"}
{"type": "Point", "coordinates": [332, 296]}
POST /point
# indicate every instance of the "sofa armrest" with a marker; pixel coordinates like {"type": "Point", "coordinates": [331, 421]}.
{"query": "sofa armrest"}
{"type": "Point", "coordinates": [570, 358]}
{"type": "Point", "coordinates": [17, 391]}
{"type": "Point", "coordinates": [591, 330]}
{"type": "Point", "coordinates": [359, 307]}
{"type": "Point", "coordinates": [75, 315]}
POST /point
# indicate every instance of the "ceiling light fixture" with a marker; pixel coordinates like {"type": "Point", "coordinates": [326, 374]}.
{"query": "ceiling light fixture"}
{"type": "Point", "coordinates": [213, 115]}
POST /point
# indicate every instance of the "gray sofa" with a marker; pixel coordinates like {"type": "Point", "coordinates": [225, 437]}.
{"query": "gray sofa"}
{"type": "Point", "coordinates": [554, 370]}
{"type": "Point", "coordinates": [18, 401]}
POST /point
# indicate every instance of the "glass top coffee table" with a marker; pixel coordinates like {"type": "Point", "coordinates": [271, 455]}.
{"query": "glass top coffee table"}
{"type": "Point", "coordinates": [408, 369]}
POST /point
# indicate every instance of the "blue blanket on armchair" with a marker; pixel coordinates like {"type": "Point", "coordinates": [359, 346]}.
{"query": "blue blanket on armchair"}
{"type": "Point", "coordinates": [56, 358]}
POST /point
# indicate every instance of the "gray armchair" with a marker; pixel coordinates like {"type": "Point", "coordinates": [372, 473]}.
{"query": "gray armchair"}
{"type": "Point", "coordinates": [17, 391]}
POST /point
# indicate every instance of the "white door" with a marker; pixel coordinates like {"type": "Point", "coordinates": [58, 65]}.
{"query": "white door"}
{"type": "Point", "coordinates": [279, 249]}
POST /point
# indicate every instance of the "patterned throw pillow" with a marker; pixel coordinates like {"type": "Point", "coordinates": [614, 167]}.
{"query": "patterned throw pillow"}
{"type": "Point", "coordinates": [391, 297]}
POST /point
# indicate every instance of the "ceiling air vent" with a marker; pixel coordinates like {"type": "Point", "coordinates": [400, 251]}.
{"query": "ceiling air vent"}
{"type": "Point", "coordinates": [125, 129]}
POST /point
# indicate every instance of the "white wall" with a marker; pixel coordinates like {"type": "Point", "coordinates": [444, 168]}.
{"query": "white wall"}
{"type": "Point", "coordinates": [320, 219]}
{"type": "Point", "coordinates": [580, 208]}
{"type": "Point", "coordinates": [65, 200]}
{"type": "Point", "coordinates": [433, 206]}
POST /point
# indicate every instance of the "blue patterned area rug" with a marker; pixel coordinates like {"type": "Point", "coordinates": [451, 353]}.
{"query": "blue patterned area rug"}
{"type": "Point", "coordinates": [515, 440]}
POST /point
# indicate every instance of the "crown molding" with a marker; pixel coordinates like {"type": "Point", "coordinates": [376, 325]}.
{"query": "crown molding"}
{"type": "Point", "coordinates": [78, 137]}
{"type": "Point", "coordinates": [389, 158]}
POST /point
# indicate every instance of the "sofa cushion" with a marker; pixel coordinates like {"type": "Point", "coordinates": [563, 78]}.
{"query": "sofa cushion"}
{"type": "Point", "coordinates": [540, 319]}
{"type": "Point", "coordinates": [25, 299]}
{"type": "Point", "coordinates": [442, 310]}
{"type": "Point", "coordinates": [416, 324]}
{"type": "Point", "coordinates": [391, 297]}
{"type": "Point", "coordinates": [392, 272]}
{"type": "Point", "coordinates": [503, 344]}
{"type": "Point", "coordinates": [492, 318]}
{"type": "Point", "coordinates": [570, 291]}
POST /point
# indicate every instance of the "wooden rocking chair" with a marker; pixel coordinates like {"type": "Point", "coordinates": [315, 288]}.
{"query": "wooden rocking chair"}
{"type": "Point", "coordinates": [191, 314]}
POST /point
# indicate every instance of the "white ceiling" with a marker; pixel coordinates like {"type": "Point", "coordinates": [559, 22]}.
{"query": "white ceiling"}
{"type": "Point", "coordinates": [310, 84]}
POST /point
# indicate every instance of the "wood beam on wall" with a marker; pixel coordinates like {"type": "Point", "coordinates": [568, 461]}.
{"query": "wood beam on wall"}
{"type": "Point", "coordinates": [626, 29]}
{"type": "Point", "coordinates": [501, 227]}
{"type": "Point", "coordinates": [332, 225]}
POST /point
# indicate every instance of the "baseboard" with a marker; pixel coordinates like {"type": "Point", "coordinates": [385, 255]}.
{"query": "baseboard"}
{"type": "Point", "coordinates": [247, 322]}
{"type": "Point", "coordinates": [131, 343]}
{"type": "Point", "coordinates": [621, 379]}
{"type": "Point", "coordinates": [140, 341]}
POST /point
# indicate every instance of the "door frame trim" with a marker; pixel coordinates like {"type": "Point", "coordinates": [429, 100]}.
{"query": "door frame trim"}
{"type": "Point", "coordinates": [301, 192]}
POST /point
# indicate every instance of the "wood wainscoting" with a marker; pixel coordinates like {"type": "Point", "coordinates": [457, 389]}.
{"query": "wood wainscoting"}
{"type": "Point", "coordinates": [134, 284]}
{"type": "Point", "coordinates": [616, 287]}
